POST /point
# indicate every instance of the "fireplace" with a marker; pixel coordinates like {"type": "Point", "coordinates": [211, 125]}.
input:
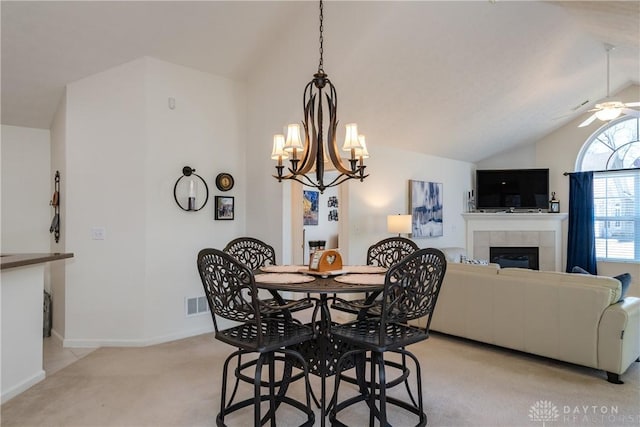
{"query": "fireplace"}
{"type": "Point", "coordinates": [541, 230]}
{"type": "Point", "coordinates": [515, 256]}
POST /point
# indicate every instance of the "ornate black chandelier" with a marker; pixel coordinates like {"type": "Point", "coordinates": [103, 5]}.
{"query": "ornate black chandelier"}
{"type": "Point", "coordinates": [304, 157]}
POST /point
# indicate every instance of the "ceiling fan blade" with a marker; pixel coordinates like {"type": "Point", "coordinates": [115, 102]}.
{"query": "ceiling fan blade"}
{"type": "Point", "coordinates": [588, 121]}
{"type": "Point", "coordinates": [630, 112]}
{"type": "Point", "coordinates": [632, 104]}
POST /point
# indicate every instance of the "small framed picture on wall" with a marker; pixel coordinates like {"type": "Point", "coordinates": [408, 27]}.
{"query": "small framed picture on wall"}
{"type": "Point", "coordinates": [224, 208]}
{"type": "Point", "coordinates": [310, 201]}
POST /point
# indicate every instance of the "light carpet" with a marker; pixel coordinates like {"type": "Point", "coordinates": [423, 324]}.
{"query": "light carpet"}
{"type": "Point", "coordinates": [465, 384]}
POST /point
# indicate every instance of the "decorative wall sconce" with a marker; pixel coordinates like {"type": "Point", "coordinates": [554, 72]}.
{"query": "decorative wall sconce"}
{"type": "Point", "coordinates": [55, 203]}
{"type": "Point", "coordinates": [187, 194]}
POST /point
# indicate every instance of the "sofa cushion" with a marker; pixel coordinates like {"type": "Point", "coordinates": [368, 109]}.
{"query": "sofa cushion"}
{"type": "Point", "coordinates": [611, 284]}
{"type": "Point", "coordinates": [578, 269]}
{"type": "Point", "coordinates": [474, 268]}
{"type": "Point", "coordinates": [625, 280]}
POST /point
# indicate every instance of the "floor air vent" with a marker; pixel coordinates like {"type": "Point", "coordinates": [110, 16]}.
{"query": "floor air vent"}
{"type": "Point", "coordinates": [196, 305]}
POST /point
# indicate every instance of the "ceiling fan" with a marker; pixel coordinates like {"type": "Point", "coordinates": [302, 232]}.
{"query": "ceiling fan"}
{"type": "Point", "coordinates": [610, 109]}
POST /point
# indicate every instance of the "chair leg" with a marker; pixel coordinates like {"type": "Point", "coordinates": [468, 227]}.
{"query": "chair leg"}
{"type": "Point", "coordinates": [305, 369]}
{"type": "Point", "coordinates": [406, 381]}
{"type": "Point", "coordinates": [235, 387]}
{"type": "Point", "coordinates": [422, 415]}
{"type": "Point", "coordinates": [223, 392]}
{"type": "Point", "coordinates": [334, 406]}
{"type": "Point", "coordinates": [272, 389]}
{"type": "Point", "coordinates": [372, 393]}
{"type": "Point", "coordinates": [256, 391]}
{"type": "Point", "coordinates": [383, 389]}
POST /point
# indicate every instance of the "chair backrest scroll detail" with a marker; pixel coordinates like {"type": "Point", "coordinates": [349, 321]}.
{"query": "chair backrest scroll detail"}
{"type": "Point", "coordinates": [390, 251]}
{"type": "Point", "coordinates": [229, 287]}
{"type": "Point", "coordinates": [412, 286]}
{"type": "Point", "coordinates": [251, 252]}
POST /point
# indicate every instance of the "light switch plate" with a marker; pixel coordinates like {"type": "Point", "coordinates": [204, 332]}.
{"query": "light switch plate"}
{"type": "Point", "coordinates": [98, 233]}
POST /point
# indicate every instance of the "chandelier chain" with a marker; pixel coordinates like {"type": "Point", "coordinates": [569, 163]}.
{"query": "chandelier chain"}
{"type": "Point", "coordinates": [321, 64]}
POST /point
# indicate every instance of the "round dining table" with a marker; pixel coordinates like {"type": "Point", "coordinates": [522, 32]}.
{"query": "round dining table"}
{"type": "Point", "coordinates": [322, 352]}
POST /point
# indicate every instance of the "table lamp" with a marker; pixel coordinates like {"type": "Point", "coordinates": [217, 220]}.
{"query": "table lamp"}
{"type": "Point", "coordinates": [399, 224]}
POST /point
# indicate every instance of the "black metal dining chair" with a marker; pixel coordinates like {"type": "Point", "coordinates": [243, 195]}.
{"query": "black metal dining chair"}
{"type": "Point", "coordinates": [255, 253]}
{"type": "Point", "coordinates": [410, 292]}
{"type": "Point", "coordinates": [233, 296]}
{"type": "Point", "coordinates": [385, 253]}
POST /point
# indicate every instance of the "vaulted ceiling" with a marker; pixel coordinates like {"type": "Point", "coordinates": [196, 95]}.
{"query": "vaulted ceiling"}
{"type": "Point", "coordinates": [480, 76]}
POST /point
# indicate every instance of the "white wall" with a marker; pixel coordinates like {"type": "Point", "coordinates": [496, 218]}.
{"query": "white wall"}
{"type": "Point", "coordinates": [124, 151]}
{"type": "Point", "coordinates": [204, 131]}
{"type": "Point", "coordinates": [386, 192]}
{"type": "Point", "coordinates": [106, 161]}
{"type": "Point", "coordinates": [26, 189]}
{"type": "Point", "coordinates": [523, 156]}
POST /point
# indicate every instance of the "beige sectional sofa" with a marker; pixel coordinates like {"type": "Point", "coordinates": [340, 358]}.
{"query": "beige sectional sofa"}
{"type": "Point", "coordinates": [575, 318]}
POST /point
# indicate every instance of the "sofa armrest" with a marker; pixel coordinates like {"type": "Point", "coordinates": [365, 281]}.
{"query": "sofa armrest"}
{"type": "Point", "coordinates": [619, 336]}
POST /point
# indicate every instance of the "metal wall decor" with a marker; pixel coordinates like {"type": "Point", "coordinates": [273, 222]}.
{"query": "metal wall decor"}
{"type": "Point", "coordinates": [319, 96]}
{"type": "Point", "coordinates": [188, 189]}
{"type": "Point", "coordinates": [224, 181]}
{"type": "Point", "coordinates": [55, 202]}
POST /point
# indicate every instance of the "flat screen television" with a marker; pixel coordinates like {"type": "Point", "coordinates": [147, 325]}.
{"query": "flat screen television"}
{"type": "Point", "coordinates": [512, 188]}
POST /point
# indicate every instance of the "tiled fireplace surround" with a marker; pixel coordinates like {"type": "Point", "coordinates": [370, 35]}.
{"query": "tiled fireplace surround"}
{"type": "Point", "coordinates": [542, 230]}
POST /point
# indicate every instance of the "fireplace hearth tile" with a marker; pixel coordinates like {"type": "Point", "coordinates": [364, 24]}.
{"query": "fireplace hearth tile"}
{"type": "Point", "coordinates": [547, 238]}
{"type": "Point", "coordinates": [498, 238]}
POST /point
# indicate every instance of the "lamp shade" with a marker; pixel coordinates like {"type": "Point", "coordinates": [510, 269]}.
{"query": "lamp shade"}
{"type": "Point", "coordinates": [399, 224]}
{"type": "Point", "coordinates": [362, 152]}
{"type": "Point", "coordinates": [278, 147]}
{"type": "Point", "coordinates": [351, 140]}
{"type": "Point", "coordinates": [293, 138]}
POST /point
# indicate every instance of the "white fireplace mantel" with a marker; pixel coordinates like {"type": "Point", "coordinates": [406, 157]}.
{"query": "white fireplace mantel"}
{"type": "Point", "coordinates": [516, 229]}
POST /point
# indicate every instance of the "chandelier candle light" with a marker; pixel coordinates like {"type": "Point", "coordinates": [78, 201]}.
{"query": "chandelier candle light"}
{"type": "Point", "coordinates": [303, 157]}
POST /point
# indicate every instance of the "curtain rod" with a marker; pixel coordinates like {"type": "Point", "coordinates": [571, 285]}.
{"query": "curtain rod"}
{"type": "Point", "coordinates": [607, 170]}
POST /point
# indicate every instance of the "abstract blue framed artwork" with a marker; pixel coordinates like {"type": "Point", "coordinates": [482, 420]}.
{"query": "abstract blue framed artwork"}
{"type": "Point", "coordinates": [426, 208]}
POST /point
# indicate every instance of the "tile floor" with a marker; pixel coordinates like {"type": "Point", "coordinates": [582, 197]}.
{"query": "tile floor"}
{"type": "Point", "coordinates": [56, 357]}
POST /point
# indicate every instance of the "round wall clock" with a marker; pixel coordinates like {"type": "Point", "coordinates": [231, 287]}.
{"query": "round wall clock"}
{"type": "Point", "coordinates": [224, 182]}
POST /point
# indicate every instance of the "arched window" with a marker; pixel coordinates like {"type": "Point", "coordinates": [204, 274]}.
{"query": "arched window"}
{"type": "Point", "coordinates": [614, 152]}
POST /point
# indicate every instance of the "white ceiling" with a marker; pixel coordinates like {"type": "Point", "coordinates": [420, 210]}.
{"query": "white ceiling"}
{"type": "Point", "coordinates": [468, 78]}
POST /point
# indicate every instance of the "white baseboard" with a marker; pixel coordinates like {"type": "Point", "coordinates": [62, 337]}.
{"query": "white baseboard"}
{"type": "Point", "coordinates": [143, 342]}
{"type": "Point", "coordinates": [56, 336]}
{"type": "Point", "coordinates": [23, 386]}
